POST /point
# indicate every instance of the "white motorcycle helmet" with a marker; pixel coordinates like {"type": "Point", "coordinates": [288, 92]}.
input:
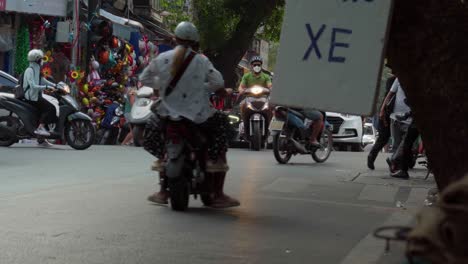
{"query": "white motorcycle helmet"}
{"type": "Point", "coordinates": [35, 55]}
{"type": "Point", "coordinates": [187, 31]}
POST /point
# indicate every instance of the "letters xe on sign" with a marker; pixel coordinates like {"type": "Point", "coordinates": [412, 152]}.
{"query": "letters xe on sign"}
{"type": "Point", "coordinates": [331, 54]}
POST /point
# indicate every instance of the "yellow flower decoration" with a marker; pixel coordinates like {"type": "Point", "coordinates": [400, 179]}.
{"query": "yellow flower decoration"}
{"type": "Point", "coordinates": [46, 72]}
{"type": "Point", "coordinates": [75, 75]}
{"type": "Point", "coordinates": [48, 57]}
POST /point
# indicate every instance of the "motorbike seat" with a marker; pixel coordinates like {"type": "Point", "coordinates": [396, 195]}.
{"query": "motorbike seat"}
{"type": "Point", "coordinates": [297, 113]}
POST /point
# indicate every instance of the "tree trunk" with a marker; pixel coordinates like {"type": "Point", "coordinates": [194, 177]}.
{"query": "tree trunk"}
{"type": "Point", "coordinates": [227, 57]}
{"type": "Point", "coordinates": [427, 51]}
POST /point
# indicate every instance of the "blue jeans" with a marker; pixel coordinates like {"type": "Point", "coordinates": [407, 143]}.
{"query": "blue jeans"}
{"type": "Point", "coordinates": [296, 121]}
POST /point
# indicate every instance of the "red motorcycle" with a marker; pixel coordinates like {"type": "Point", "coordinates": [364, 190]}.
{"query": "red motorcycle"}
{"type": "Point", "coordinates": [186, 149]}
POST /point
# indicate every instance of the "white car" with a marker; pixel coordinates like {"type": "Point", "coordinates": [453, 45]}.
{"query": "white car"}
{"type": "Point", "coordinates": [370, 135]}
{"type": "Point", "coordinates": [347, 131]}
{"type": "Point", "coordinates": [7, 87]}
{"type": "Point", "coordinates": [7, 84]}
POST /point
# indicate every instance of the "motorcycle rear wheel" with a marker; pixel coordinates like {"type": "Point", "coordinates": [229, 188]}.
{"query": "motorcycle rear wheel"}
{"type": "Point", "coordinates": [281, 155]}
{"type": "Point", "coordinates": [8, 138]}
{"type": "Point", "coordinates": [180, 193]}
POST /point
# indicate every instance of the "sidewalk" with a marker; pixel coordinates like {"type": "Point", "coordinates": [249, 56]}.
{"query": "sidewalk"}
{"type": "Point", "coordinates": [410, 196]}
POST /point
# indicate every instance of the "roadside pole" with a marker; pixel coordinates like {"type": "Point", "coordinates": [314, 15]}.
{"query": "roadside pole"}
{"type": "Point", "coordinates": [92, 9]}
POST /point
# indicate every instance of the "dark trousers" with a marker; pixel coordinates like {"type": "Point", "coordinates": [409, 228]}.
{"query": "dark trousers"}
{"type": "Point", "coordinates": [215, 128]}
{"type": "Point", "coordinates": [382, 139]}
{"type": "Point", "coordinates": [405, 149]}
{"type": "Point", "coordinates": [46, 109]}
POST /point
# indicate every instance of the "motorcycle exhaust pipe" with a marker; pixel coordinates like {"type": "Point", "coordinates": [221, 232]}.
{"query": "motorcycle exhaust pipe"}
{"type": "Point", "coordinates": [299, 147]}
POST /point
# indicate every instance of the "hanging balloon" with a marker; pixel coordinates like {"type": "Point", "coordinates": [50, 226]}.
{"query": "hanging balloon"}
{"type": "Point", "coordinates": [104, 57]}
{"type": "Point", "coordinates": [114, 43]}
{"type": "Point", "coordinates": [130, 60]}
{"type": "Point", "coordinates": [129, 48]}
{"type": "Point", "coordinates": [85, 88]}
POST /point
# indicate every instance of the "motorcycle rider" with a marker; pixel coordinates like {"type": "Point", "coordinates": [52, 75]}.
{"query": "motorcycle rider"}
{"type": "Point", "coordinates": [33, 85]}
{"type": "Point", "coordinates": [256, 76]}
{"type": "Point", "coordinates": [188, 99]}
{"type": "Point", "coordinates": [250, 79]}
{"type": "Point", "coordinates": [316, 126]}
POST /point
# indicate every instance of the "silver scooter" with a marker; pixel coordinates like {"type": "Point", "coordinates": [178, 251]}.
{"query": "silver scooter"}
{"type": "Point", "coordinates": [140, 114]}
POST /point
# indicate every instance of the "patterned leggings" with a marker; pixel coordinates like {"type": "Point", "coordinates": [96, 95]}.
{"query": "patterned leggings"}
{"type": "Point", "coordinates": [215, 128]}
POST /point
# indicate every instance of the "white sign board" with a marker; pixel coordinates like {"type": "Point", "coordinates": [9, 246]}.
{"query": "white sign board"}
{"type": "Point", "coordinates": [331, 54]}
{"type": "Point", "coordinates": [43, 7]}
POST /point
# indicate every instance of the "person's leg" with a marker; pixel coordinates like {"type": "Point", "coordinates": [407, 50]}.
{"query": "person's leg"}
{"type": "Point", "coordinates": [397, 135]}
{"type": "Point", "coordinates": [129, 136]}
{"type": "Point", "coordinates": [382, 140]}
{"type": "Point", "coordinates": [216, 130]}
{"type": "Point", "coordinates": [405, 152]}
{"type": "Point", "coordinates": [41, 130]}
{"type": "Point", "coordinates": [154, 143]}
{"type": "Point", "coordinates": [162, 196]}
{"type": "Point", "coordinates": [48, 113]}
{"type": "Point", "coordinates": [317, 124]}
{"type": "Point", "coordinates": [296, 121]}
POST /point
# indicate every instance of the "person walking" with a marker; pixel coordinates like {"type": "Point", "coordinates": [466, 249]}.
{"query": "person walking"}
{"type": "Point", "coordinates": [383, 125]}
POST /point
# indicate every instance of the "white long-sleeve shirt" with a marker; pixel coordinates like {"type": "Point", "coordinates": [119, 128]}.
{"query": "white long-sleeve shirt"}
{"type": "Point", "coordinates": [190, 97]}
{"type": "Point", "coordinates": [32, 82]}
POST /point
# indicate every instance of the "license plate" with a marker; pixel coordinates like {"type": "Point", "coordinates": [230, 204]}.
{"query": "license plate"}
{"type": "Point", "coordinates": [276, 125]}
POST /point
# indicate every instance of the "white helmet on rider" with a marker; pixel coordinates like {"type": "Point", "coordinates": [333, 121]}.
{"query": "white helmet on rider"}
{"type": "Point", "coordinates": [256, 59]}
{"type": "Point", "coordinates": [187, 31]}
{"type": "Point", "coordinates": [35, 55]}
{"type": "Point", "coordinates": [256, 63]}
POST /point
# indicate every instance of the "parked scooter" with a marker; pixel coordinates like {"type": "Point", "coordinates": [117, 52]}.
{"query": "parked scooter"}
{"type": "Point", "coordinates": [289, 140]}
{"type": "Point", "coordinates": [111, 125]}
{"type": "Point", "coordinates": [256, 116]}
{"type": "Point", "coordinates": [140, 114]}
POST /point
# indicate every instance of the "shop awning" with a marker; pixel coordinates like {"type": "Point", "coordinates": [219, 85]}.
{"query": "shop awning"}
{"type": "Point", "coordinates": [121, 20]}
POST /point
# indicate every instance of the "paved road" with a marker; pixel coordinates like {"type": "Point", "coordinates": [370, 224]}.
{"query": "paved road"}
{"type": "Point", "coordinates": [64, 206]}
